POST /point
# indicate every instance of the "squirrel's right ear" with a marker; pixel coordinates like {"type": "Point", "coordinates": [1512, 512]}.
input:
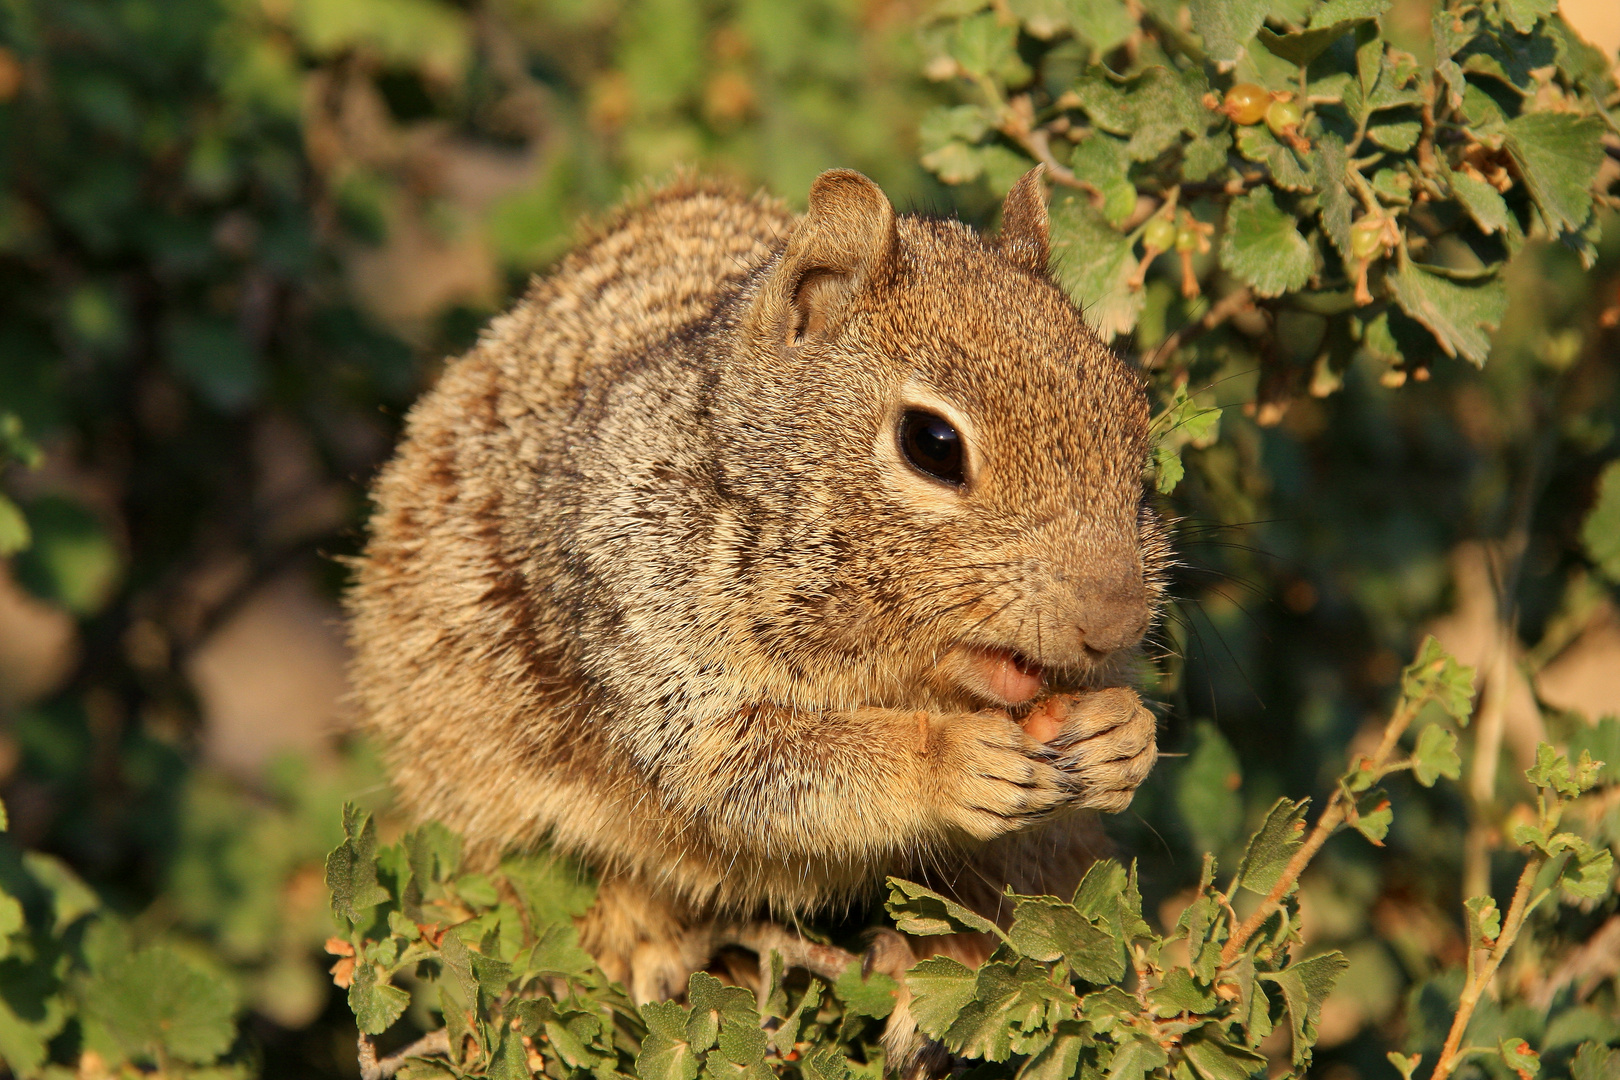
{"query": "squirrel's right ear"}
{"type": "Point", "coordinates": [1023, 236]}
{"type": "Point", "coordinates": [845, 242]}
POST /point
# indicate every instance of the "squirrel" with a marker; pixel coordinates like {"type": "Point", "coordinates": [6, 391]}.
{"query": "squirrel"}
{"type": "Point", "coordinates": [751, 558]}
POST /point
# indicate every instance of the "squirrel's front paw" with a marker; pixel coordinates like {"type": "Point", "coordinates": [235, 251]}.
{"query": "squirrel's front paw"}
{"type": "Point", "coordinates": [989, 777]}
{"type": "Point", "coordinates": [1105, 740]}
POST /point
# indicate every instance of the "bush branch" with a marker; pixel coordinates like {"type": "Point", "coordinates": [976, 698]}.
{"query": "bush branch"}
{"type": "Point", "coordinates": [1332, 816]}
{"type": "Point", "coordinates": [429, 1045]}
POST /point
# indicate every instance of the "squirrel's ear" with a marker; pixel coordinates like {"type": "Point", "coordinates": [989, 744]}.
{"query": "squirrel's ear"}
{"type": "Point", "coordinates": [845, 242]}
{"type": "Point", "coordinates": [1023, 236]}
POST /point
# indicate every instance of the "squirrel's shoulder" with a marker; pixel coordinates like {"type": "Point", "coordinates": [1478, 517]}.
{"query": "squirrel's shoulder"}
{"type": "Point", "coordinates": [653, 265]}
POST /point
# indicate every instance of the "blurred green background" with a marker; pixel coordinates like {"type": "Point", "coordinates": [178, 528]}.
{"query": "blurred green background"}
{"type": "Point", "coordinates": [237, 237]}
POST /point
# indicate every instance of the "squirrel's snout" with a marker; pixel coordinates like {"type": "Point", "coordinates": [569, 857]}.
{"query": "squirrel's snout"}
{"type": "Point", "coordinates": [1113, 615]}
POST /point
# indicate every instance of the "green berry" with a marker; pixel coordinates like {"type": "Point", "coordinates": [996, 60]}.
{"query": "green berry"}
{"type": "Point", "coordinates": [1246, 103]}
{"type": "Point", "coordinates": [1367, 239]}
{"type": "Point", "coordinates": [1159, 235]}
{"type": "Point", "coordinates": [1186, 239]}
{"type": "Point", "coordinates": [1282, 116]}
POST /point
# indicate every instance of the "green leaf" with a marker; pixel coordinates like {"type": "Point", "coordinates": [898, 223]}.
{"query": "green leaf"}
{"type": "Point", "coordinates": [376, 1004]}
{"type": "Point", "coordinates": [1207, 789]}
{"type": "Point", "coordinates": [1482, 201]}
{"type": "Point", "coordinates": [1461, 315]}
{"type": "Point", "coordinates": [1304, 46]}
{"type": "Point", "coordinates": [787, 1032]}
{"type": "Point", "coordinates": [1552, 771]}
{"type": "Point", "coordinates": [942, 125]}
{"type": "Point", "coordinates": [1305, 986]}
{"type": "Point", "coordinates": [940, 989]}
{"type": "Point", "coordinates": [1093, 262]}
{"type": "Point", "coordinates": [1600, 532]}
{"type": "Point", "coordinates": [1435, 755]}
{"type": "Point", "coordinates": [1331, 164]}
{"type": "Point", "coordinates": [1271, 848]}
{"type": "Point", "coordinates": [71, 898]}
{"type": "Point", "coordinates": [872, 995]}
{"type": "Point", "coordinates": [1518, 1056]}
{"type": "Point", "coordinates": [1558, 154]}
{"type": "Point", "coordinates": [1484, 921]}
{"type": "Point", "coordinates": [955, 163]}
{"type": "Point", "coordinates": [1523, 14]}
{"type": "Point", "coordinates": [14, 534]}
{"type": "Point", "coordinates": [155, 1001]}
{"type": "Point", "coordinates": [1101, 161]}
{"type": "Point", "coordinates": [71, 559]}
{"type": "Point", "coordinates": [1227, 26]}
{"type": "Point", "coordinates": [1060, 1058]}
{"type": "Point", "coordinates": [1217, 1059]}
{"type": "Point", "coordinates": [921, 911]}
{"type": "Point", "coordinates": [1135, 1058]}
{"type": "Point", "coordinates": [351, 868]}
{"type": "Point", "coordinates": [1405, 1064]}
{"type": "Point", "coordinates": [1181, 993]}
{"type": "Point", "coordinates": [1594, 1061]}
{"type": "Point", "coordinates": [1373, 816]}
{"type": "Point", "coordinates": [824, 1063]}
{"type": "Point", "coordinates": [1287, 170]}
{"type": "Point", "coordinates": [1204, 156]}
{"type": "Point", "coordinates": [1262, 247]}
{"type": "Point", "coordinates": [665, 1054]}
{"type": "Point", "coordinates": [1436, 674]}
{"type": "Point", "coordinates": [1045, 928]}
{"type": "Point", "coordinates": [986, 49]}
{"type": "Point", "coordinates": [1105, 24]}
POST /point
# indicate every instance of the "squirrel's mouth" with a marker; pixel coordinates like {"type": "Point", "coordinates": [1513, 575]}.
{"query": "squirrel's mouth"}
{"type": "Point", "coordinates": [1002, 674]}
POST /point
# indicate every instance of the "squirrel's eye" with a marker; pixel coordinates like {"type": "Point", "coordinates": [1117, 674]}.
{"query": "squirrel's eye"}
{"type": "Point", "coordinates": [932, 446]}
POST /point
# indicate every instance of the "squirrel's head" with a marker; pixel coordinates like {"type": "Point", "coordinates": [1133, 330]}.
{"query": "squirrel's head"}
{"type": "Point", "coordinates": [937, 466]}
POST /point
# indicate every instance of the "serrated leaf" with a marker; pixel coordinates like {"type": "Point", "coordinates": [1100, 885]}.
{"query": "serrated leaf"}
{"type": "Point", "coordinates": [1262, 247]}
{"type": "Point", "coordinates": [1101, 161]}
{"type": "Point", "coordinates": [1435, 673]}
{"type": "Point", "coordinates": [155, 1001]}
{"type": "Point", "coordinates": [376, 1004]}
{"type": "Point", "coordinates": [1397, 136]}
{"type": "Point", "coordinates": [1482, 201]}
{"type": "Point", "coordinates": [946, 124]}
{"type": "Point", "coordinates": [986, 48]}
{"type": "Point", "coordinates": [1330, 164]}
{"type": "Point", "coordinates": [1059, 1059]}
{"type": "Point", "coordinates": [1105, 24]}
{"type": "Point", "coordinates": [1461, 315]}
{"type": "Point", "coordinates": [1305, 986]}
{"type": "Point", "coordinates": [1206, 155]}
{"type": "Point", "coordinates": [1045, 928]}
{"type": "Point", "coordinates": [1217, 1059]}
{"type": "Point", "coordinates": [872, 995]}
{"type": "Point", "coordinates": [1552, 771]}
{"type": "Point", "coordinates": [940, 989]}
{"type": "Point", "coordinates": [1287, 170]}
{"type": "Point", "coordinates": [1304, 46]}
{"type": "Point", "coordinates": [1135, 1058]}
{"type": "Point", "coordinates": [1524, 14]}
{"type": "Point", "coordinates": [1273, 846]}
{"type": "Point", "coordinates": [1558, 155]}
{"type": "Point", "coordinates": [665, 1054]}
{"type": "Point", "coordinates": [1094, 263]}
{"type": "Point", "coordinates": [921, 911]}
{"type": "Point", "coordinates": [1595, 1061]}
{"type": "Point", "coordinates": [1600, 532]}
{"type": "Point", "coordinates": [1227, 26]}
{"type": "Point", "coordinates": [955, 163]}
{"type": "Point", "coordinates": [1435, 755]}
{"type": "Point", "coordinates": [1180, 993]}
{"type": "Point", "coordinates": [351, 868]}
{"type": "Point", "coordinates": [825, 1063]}
{"type": "Point", "coordinates": [1152, 110]}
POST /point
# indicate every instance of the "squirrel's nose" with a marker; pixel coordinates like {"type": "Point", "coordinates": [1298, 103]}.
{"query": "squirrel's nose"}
{"type": "Point", "coordinates": [1113, 613]}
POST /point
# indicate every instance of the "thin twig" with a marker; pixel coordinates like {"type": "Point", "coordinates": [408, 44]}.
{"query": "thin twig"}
{"type": "Point", "coordinates": [1223, 309]}
{"type": "Point", "coordinates": [434, 1043]}
{"type": "Point", "coordinates": [1450, 1054]}
{"type": "Point", "coordinates": [827, 961]}
{"type": "Point", "coordinates": [1333, 815]}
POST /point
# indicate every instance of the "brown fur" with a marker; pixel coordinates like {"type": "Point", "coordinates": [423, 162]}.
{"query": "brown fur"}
{"type": "Point", "coordinates": [650, 580]}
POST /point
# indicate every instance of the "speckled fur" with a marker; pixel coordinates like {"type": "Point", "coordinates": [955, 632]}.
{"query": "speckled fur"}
{"type": "Point", "coordinates": [649, 579]}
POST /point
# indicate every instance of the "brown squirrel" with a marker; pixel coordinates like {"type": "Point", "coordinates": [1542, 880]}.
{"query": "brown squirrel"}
{"type": "Point", "coordinates": [751, 558]}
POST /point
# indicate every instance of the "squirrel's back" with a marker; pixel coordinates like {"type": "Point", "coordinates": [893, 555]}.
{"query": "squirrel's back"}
{"type": "Point", "coordinates": [441, 613]}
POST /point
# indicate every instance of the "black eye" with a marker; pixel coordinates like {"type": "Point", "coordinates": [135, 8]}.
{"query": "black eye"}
{"type": "Point", "coordinates": [932, 446]}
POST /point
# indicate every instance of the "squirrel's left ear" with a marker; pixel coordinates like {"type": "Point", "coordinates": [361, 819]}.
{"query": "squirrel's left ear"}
{"type": "Point", "coordinates": [1023, 236]}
